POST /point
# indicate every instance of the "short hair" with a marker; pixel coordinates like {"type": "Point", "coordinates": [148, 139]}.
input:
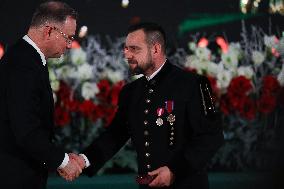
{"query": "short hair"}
{"type": "Point", "coordinates": [52, 11]}
{"type": "Point", "coordinates": [154, 33]}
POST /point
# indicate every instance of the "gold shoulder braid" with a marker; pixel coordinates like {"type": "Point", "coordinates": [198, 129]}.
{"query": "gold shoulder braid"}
{"type": "Point", "coordinates": [206, 97]}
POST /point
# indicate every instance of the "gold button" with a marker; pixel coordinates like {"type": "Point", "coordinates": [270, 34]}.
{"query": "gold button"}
{"type": "Point", "coordinates": [146, 111]}
{"type": "Point", "coordinates": [148, 101]}
{"type": "Point", "coordinates": [145, 122]}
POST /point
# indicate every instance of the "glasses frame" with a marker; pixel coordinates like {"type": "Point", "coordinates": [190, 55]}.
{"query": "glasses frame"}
{"type": "Point", "coordinates": [68, 39]}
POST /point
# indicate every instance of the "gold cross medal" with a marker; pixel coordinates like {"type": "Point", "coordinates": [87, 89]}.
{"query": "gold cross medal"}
{"type": "Point", "coordinates": [171, 119]}
{"type": "Point", "coordinates": [169, 107]}
{"type": "Point", "coordinates": [160, 112]}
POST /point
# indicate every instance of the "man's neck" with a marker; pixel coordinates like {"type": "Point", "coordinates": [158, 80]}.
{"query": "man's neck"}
{"type": "Point", "coordinates": [156, 71]}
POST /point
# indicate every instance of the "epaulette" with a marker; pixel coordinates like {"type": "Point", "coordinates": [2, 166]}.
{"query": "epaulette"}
{"type": "Point", "coordinates": [206, 96]}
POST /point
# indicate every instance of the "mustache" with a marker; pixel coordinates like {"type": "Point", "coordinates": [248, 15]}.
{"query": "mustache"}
{"type": "Point", "coordinates": [131, 61]}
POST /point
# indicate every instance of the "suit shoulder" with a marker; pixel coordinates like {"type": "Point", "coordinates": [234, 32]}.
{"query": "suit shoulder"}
{"type": "Point", "coordinates": [187, 75]}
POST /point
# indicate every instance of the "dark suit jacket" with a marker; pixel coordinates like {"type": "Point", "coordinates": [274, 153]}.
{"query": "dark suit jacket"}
{"type": "Point", "coordinates": [185, 146]}
{"type": "Point", "coordinates": [26, 120]}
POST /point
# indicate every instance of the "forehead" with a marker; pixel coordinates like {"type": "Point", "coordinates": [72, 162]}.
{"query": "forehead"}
{"type": "Point", "coordinates": [136, 37]}
{"type": "Point", "coordinates": [69, 25]}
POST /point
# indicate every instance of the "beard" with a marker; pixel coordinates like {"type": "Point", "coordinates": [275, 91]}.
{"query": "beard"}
{"type": "Point", "coordinates": [142, 67]}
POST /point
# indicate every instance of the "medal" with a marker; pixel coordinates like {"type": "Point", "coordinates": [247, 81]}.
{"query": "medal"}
{"type": "Point", "coordinates": [159, 121]}
{"type": "Point", "coordinates": [160, 112]}
{"type": "Point", "coordinates": [171, 119]}
{"type": "Point", "coordinates": [169, 107]}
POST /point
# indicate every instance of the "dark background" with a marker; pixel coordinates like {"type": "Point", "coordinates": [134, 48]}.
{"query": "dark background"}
{"type": "Point", "coordinates": [108, 17]}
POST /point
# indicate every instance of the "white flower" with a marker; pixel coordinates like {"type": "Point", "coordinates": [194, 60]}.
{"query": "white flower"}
{"type": "Point", "coordinates": [230, 60]}
{"type": "Point", "coordinates": [113, 76]}
{"type": "Point", "coordinates": [89, 90]}
{"type": "Point", "coordinates": [65, 72]}
{"type": "Point", "coordinates": [78, 56]}
{"type": "Point", "coordinates": [203, 53]}
{"type": "Point", "coordinates": [270, 41]}
{"type": "Point", "coordinates": [212, 69]}
{"type": "Point", "coordinates": [257, 57]}
{"type": "Point", "coordinates": [85, 72]}
{"type": "Point", "coordinates": [54, 97]}
{"type": "Point", "coordinates": [54, 85]}
{"type": "Point", "coordinates": [56, 60]}
{"type": "Point", "coordinates": [192, 46]}
{"type": "Point", "coordinates": [246, 71]}
{"type": "Point", "coordinates": [223, 80]}
{"type": "Point", "coordinates": [280, 76]}
{"type": "Point", "coordinates": [194, 62]}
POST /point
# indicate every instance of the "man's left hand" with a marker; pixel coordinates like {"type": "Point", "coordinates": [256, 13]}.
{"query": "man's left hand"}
{"type": "Point", "coordinates": [163, 177]}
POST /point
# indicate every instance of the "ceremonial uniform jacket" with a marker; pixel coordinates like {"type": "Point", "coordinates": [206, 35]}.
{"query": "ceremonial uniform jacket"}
{"type": "Point", "coordinates": [171, 121]}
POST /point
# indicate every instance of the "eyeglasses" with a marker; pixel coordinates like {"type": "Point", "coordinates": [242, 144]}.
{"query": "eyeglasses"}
{"type": "Point", "coordinates": [69, 39]}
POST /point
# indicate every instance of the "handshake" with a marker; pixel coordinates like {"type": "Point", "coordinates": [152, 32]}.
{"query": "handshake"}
{"type": "Point", "coordinates": [74, 167]}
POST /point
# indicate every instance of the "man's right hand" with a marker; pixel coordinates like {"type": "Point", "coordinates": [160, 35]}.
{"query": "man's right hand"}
{"type": "Point", "coordinates": [71, 171]}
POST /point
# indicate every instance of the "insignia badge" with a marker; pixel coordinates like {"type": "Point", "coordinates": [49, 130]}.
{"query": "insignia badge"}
{"type": "Point", "coordinates": [169, 107]}
{"type": "Point", "coordinates": [171, 119]}
{"type": "Point", "coordinates": [160, 112]}
{"type": "Point", "coordinates": [159, 121]}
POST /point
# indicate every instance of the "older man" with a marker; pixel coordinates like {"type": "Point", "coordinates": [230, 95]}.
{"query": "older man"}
{"type": "Point", "coordinates": [26, 101]}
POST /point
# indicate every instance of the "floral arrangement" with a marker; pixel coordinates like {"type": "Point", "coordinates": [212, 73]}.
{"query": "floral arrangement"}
{"type": "Point", "coordinates": [86, 83]}
{"type": "Point", "coordinates": [247, 80]}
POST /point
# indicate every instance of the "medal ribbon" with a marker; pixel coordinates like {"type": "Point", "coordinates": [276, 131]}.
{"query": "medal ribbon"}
{"type": "Point", "coordinates": [169, 106]}
{"type": "Point", "coordinates": [160, 111]}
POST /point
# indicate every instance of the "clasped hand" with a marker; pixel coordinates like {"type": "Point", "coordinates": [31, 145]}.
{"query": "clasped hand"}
{"type": "Point", "coordinates": [74, 167]}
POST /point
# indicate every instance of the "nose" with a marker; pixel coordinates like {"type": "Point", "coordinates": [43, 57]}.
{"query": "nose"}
{"type": "Point", "coordinates": [127, 53]}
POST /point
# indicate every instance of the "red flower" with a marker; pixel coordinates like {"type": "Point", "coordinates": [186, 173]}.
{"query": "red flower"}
{"type": "Point", "coordinates": [104, 87]}
{"type": "Point", "coordinates": [61, 116]}
{"type": "Point", "coordinates": [87, 108]}
{"type": "Point", "coordinates": [72, 105]}
{"type": "Point", "coordinates": [249, 109]}
{"type": "Point", "coordinates": [270, 85]}
{"type": "Point", "coordinates": [64, 91]}
{"type": "Point", "coordinates": [237, 101]}
{"type": "Point", "coordinates": [266, 104]}
{"type": "Point", "coordinates": [240, 86]}
{"type": "Point", "coordinates": [281, 97]}
{"type": "Point", "coordinates": [115, 92]}
{"type": "Point", "coordinates": [193, 70]}
{"type": "Point", "coordinates": [225, 104]}
{"type": "Point", "coordinates": [96, 113]}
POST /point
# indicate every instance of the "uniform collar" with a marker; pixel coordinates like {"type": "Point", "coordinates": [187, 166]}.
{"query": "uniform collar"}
{"type": "Point", "coordinates": [155, 73]}
{"type": "Point", "coordinates": [163, 72]}
{"type": "Point", "coordinates": [30, 41]}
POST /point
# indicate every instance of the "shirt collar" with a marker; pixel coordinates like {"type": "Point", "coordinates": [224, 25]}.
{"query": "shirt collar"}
{"type": "Point", "coordinates": [155, 73]}
{"type": "Point", "coordinates": [30, 41]}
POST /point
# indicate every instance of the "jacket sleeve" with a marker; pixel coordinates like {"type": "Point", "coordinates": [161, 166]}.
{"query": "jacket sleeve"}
{"type": "Point", "coordinates": [26, 119]}
{"type": "Point", "coordinates": [205, 133]}
{"type": "Point", "coordinates": [108, 143]}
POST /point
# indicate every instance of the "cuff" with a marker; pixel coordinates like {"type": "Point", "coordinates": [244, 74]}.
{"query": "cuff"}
{"type": "Point", "coordinates": [87, 162]}
{"type": "Point", "coordinates": [64, 162]}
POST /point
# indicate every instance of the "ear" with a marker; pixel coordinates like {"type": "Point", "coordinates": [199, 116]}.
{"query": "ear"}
{"type": "Point", "coordinates": [156, 48]}
{"type": "Point", "coordinates": [47, 32]}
